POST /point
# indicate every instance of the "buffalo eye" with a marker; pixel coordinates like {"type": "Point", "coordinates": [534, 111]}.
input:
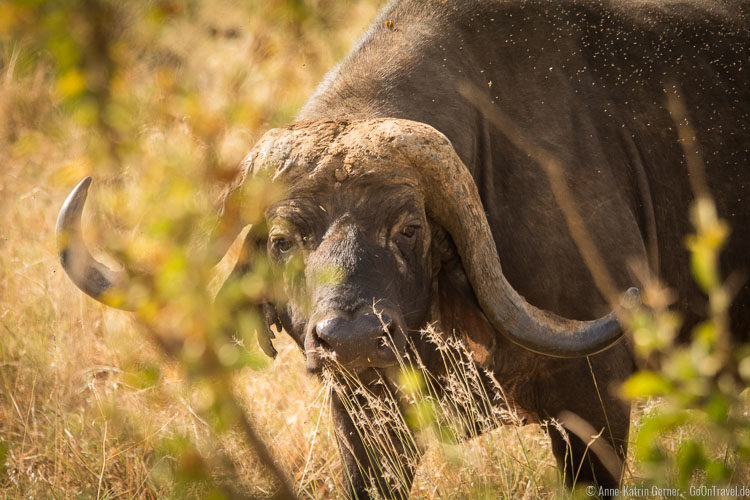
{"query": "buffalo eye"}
{"type": "Point", "coordinates": [281, 244]}
{"type": "Point", "coordinates": [406, 238]}
{"type": "Point", "coordinates": [410, 231]}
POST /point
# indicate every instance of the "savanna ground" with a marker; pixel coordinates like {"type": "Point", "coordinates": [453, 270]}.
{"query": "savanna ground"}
{"type": "Point", "coordinates": [159, 102]}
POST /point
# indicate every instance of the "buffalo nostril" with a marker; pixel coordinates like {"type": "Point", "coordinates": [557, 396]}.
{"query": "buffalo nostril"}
{"type": "Point", "coordinates": [351, 340]}
{"type": "Point", "coordinates": [388, 329]}
{"type": "Point", "coordinates": [329, 329]}
{"type": "Point", "coordinates": [322, 328]}
{"type": "Point", "coordinates": [385, 321]}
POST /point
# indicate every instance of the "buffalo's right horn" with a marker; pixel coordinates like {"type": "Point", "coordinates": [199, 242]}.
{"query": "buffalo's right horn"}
{"type": "Point", "coordinates": [452, 199]}
{"type": "Point", "coordinates": [94, 278]}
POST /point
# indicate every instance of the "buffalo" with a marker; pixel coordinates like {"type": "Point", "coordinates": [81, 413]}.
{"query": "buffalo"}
{"type": "Point", "coordinates": [401, 181]}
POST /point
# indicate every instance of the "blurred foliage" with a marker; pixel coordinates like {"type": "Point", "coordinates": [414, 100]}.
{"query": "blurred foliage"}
{"type": "Point", "coordinates": [159, 101]}
{"type": "Point", "coordinates": [167, 96]}
{"type": "Point", "coordinates": [701, 384]}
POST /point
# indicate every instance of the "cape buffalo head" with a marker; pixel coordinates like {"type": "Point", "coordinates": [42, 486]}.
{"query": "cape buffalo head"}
{"type": "Point", "coordinates": [353, 241]}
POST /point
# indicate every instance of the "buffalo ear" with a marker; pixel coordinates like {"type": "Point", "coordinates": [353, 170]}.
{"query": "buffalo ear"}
{"type": "Point", "coordinates": [270, 317]}
{"type": "Point", "coordinates": [254, 243]}
{"type": "Point", "coordinates": [458, 307]}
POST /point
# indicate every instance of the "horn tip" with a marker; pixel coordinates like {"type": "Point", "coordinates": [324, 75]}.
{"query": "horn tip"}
{"type": "Point", "coordinates": [81, 189]}
{"type": "Point", "coordinates": [70, 212]}
{"type": "Point", "coordinates": [632, 298]}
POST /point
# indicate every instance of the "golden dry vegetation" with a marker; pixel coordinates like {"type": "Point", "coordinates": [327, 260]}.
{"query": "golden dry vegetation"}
{"type": "Point", "coordinates": [159, 103]}
{"type": "Point", "coordinates": [89, 406]}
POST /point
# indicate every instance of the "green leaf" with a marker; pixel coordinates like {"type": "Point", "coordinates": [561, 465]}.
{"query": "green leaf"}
{"type": "Point", "coordinates": [703, 267]}
{"type": "Point", "coordinates": [690, 457]}
{"type": "Point", "coordinates": [4, 448]}
{"type": "Point", "coordinates": [718, 472]}
{"type": "Point", "coordinates": [645, 384]}
{"type": "Point", "coordinates": [420, 415]}
{"type": "Point", "coordinates": [411, 381]}
{"type": "Point", "coordinates": [71, 84]}
{"type": "Point", "coordinates": [144, 376]}
{"type": "Point", "coordinates": [653, 428]}
{"type": "Point", "coordinates": [717, 409]}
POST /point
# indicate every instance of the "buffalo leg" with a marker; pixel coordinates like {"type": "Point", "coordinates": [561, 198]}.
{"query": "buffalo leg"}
{"type": "Point", "coordinates": [592, 407]}
{"type": "Point", "coordinates": [579, 465]}
{"type": "Point", "coordinates": [378, 458]}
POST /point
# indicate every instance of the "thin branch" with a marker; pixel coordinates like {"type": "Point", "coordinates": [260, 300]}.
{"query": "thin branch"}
{"type": "Point", "coordinates": [555, 174]}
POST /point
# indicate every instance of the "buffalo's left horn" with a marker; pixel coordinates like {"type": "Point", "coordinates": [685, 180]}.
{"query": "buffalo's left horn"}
{"type": "Point", "coordinates": [94, 278]}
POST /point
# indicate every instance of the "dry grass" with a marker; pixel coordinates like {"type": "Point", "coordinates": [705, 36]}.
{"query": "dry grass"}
{"type": "Point", "coordinates": [88, 407]}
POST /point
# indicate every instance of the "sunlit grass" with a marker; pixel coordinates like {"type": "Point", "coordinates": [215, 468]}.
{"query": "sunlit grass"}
{"type": "Point", "coordinates": [90, 405]}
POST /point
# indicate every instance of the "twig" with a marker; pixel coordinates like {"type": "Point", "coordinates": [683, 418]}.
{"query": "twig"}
{"type": "Point", "coordinates": [104, 461]}
{"type": "Point", "coordinates": [212, 365]}
{"type": "Point", "coordinates": [686, 136]}
{"type": "Point", "coordinates": [555, 174]}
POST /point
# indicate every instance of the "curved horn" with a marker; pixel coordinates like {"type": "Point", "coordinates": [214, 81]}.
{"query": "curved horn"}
{"type": "Point", "coordinates": [94, 278]}
{"type": "Point", "coordinates": [452, 200]}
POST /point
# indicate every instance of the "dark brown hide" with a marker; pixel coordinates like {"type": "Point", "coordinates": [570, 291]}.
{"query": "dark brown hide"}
{"type": "Point", "coordinates": [586, 81]}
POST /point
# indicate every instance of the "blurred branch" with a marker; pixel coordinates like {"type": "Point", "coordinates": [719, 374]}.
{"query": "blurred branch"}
{"type": "Point", "coordinates": [222, 383]}
{"type": "Point", "coordinates": [99, 32]}
{"type": "Point", "coordinates": [686, 138]}
{"type": "Point", "coordinates": [711, 232]}
{"type": "Point", "coordinates": [555, 174]}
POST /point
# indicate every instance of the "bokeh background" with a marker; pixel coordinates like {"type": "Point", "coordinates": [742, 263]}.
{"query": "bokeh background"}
{"type": "Point", "coordinates": [159, 101]}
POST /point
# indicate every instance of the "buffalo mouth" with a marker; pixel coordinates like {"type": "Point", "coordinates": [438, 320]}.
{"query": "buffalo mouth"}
{"type": "Point", "coordinates": [355, 342]}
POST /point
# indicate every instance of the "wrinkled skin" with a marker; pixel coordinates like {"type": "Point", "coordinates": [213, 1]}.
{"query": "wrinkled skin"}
{"type": "Point", "coordinates": [357, 258]}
